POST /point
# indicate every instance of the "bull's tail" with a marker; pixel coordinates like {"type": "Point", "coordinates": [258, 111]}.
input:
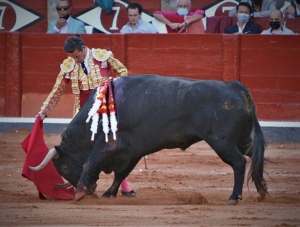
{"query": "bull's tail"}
{"type": "Point", "coordinates": [256, 152]}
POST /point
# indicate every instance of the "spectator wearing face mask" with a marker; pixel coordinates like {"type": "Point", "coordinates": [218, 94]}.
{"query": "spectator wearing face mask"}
{"type": "Point", "coordinates": [292, 10]}
{"type": "Point", "coordinates": [243, 24]}
{"type": "Point", "coordinates": [259, 8]}
{"type": "Point", "coordinates": [276, 25]}
{"type": "Point", "coordinates": [176, 22]}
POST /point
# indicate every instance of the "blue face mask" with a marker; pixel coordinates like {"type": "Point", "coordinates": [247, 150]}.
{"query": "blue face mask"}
{"type": "Point", "coordinates": [243, 18]}
{"type": "Point", "coordinates": [182, 11]}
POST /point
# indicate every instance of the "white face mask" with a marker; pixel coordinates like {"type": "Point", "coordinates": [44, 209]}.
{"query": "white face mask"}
{"type": "Point", "coordinates": [182, 11]}
{"type": "Point", "coordinates": [243, 18]}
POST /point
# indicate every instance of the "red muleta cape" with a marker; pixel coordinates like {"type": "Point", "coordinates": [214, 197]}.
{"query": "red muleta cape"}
{"type": "Point", "coordinates": [45, 179]}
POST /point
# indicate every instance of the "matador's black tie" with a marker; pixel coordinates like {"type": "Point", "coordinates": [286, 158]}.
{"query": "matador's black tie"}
{"type": "Point", "coordinates": [84, 68]}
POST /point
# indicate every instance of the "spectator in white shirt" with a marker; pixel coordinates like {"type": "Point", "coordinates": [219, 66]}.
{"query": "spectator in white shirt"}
{"type": "Point", "coordinates": [136, 24]}
{"type": "Point", "coordinates": [276, 23]}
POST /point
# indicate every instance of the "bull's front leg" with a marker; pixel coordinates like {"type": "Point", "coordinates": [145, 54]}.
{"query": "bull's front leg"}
{"type": "Point", "coordinates": [91, 171]}
{"type": "Point", "coordinates": [113, 190]}
{"type": "Point", "coordinates": [100, 154]}
{"type": "Point", "coordinates": [119, 177]}
{"type": "Point", "coordinates": [87, 182]}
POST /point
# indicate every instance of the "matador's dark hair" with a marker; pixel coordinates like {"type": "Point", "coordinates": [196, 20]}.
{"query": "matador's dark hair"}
{"type": "Point", "coordinates": [73, 43]}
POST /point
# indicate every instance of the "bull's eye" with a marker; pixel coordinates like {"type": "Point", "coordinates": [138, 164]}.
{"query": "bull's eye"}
{"type": "Point", "coordinates": [64, 169]}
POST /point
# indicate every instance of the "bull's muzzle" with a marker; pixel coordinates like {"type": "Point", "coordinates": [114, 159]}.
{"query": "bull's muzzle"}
{"type": "Point", "coordinates": [51, 154]}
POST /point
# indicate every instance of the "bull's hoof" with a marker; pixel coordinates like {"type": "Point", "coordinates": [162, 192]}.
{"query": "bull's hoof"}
{"type": "Point", "coordinates": [79, 195]}
{"type": "Point", "coordinates": [108, 195]}
{"type": "Point", "coordinates": [263, 192]}
{"type": "Point", "coordinates": [262, 196]}
{"type": "Point", "coordinates": [128, 194]}
{"type": "Point", "coordinates": [232, 202]}
{"type": "Point", "coordinates": [90, 190]}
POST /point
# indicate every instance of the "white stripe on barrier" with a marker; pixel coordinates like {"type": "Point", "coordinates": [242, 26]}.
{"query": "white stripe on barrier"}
{"type": "Point", "coordinates": [288, 124]}
{"type": "Point", "coordinates": [285, 124]}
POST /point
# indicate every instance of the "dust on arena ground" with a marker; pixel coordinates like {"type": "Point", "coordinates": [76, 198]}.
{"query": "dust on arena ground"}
{"type": "Point", "coordinates": [179, 188]}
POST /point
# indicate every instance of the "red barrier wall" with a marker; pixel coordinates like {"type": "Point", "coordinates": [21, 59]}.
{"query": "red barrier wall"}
{"type": "Point", "coordinates": [270, 69]}
{"type": "Point", "coordinates": [2, 73]}
{"type": "Point", "coordinates": [267, 65]}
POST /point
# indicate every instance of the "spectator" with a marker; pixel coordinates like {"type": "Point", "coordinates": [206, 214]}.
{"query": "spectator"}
{"type": "Point", "coordinates": [282, 4]}
{"type": "Point", "coordinates": [276, 23]}
{"type": "Point", "coordinates": [85, 68]}
{"type": "Point", "coordinates": [136, 24]}
{"type": "Point", "coordinates": [65, 23]}
{"type": "Point", "coordinates": [243, 24]}
{"type": "Point", "coordinates": [293, 10]}
{"type": "Point", "coordinates": [176, 22]}
{"type": "Point", "coordinates": [260, 8]}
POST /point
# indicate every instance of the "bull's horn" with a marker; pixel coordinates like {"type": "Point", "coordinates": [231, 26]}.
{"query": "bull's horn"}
{"type": "Point", "coordinates": [64, 185]}
{"type": "Point", "coordinates": [51, 154]}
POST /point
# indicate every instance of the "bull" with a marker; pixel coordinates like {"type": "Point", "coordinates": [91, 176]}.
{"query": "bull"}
{"type": "Point", "coordinates": [155, 113]}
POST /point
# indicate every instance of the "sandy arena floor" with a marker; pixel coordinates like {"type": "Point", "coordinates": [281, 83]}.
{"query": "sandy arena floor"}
{"type": "Point", "coordinates": [179, 188]}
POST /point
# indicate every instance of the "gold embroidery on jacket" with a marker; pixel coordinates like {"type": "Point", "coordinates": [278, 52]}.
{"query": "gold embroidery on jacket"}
{"type": "Point", "coordinates": [101, 54]}
{"type": "Point", "coordinates": [73, 71]}
{"type": "Point", "coordinates": [117, 67]}
{"type": "Point", "coordinates": [57, 91]}
{"type": "Point", "coordinates": [68, 65]}
{"type": "Point", "coordinates": [76, 105]}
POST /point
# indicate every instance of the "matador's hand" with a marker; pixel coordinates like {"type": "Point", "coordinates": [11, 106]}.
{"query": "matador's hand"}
{"type": "Point", "coordinates": [42, 116]}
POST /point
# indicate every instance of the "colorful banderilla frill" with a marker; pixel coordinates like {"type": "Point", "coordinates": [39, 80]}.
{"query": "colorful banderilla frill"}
{"type": "Point", "coordinates": [100, 106]}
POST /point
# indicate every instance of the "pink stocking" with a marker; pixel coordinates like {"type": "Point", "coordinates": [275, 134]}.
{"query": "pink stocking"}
{"type": "Point", "coordinates": [124, 186]}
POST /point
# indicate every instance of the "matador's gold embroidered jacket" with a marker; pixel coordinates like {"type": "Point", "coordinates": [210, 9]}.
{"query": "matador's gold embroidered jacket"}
{"type": "Point", "coordinates": [101, 63]}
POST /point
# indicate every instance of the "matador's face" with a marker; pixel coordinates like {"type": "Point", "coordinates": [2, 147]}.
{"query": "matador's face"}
{"type": "Point", "coordinates": [77, 55]}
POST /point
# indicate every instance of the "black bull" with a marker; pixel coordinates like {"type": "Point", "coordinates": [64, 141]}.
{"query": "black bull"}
{"type": "Point", "coordinates": [156, 112]}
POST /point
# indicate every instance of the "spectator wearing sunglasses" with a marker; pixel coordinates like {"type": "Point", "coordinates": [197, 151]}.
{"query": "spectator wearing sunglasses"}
{"type": "Point", "coordinates": [65, 23]}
